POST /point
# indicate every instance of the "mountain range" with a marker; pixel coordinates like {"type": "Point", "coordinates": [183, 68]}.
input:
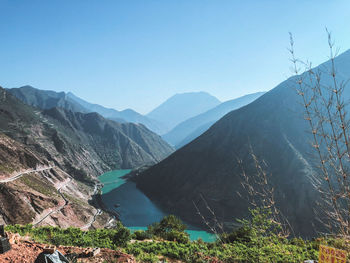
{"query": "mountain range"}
{"type": "Point", "coordinates": [79, 146]}
{"type": "Point", "coordinates": [46, 99]}
{"type": "Point", "coordinates": [208, 167]}
{"type": "Point", "coordinates": [127, 115]}
{"type": "Point", "coordinates": [191, 128]}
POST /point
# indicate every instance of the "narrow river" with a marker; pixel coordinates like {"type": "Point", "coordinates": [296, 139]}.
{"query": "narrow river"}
{"type": "Point", "coordinates": [136, 210]}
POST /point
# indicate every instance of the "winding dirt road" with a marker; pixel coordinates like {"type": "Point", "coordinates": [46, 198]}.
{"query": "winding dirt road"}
{"type": "Point", "coordinates": [17, 176]}
{"type": "Point", "coordinates": [58, 209]}
{"type": "Point", "coordinates": [98, 211]}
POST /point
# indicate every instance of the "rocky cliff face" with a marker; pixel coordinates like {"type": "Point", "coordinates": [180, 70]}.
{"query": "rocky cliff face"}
{"type": "Point", "coordinates": [118, 145]}
{"type": "Point", "coordinates": [81, 144]}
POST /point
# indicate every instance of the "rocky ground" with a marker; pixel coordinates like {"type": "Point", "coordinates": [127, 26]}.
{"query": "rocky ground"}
{"type": "Point", "coordinates": [43, 192]}
{"type": "Point", "coordinates": [26, 251]}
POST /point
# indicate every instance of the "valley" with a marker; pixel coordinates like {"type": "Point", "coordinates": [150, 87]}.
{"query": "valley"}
{"type": "Point", "coordinates": [61, 138]}
{"type": "Point", "coordinates": [174, 131]}
{"type": "Point", "coordinates": [67, 166]}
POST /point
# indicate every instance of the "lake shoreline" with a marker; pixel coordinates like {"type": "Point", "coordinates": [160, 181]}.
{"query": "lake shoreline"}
{"type": "Point", "coordinates": [136, 211]}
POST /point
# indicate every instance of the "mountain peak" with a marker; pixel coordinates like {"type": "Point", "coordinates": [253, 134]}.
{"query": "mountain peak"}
{"type": "Point", "coordinates": [193, 93]}
{"type": "Point", "coordinates": [182, 106]}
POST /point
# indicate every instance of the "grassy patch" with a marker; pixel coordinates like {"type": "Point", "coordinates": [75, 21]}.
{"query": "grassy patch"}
{"type": "Point", "coordinates": [74, 200]}
{"type": "Point", "coordinates": [6, 169]}
{"type": "Point", "coordinates": [38, 185]}
{"type": "Point", "coordinates": [104, 238]}
{"type": "Point", "coordinates": [198, 251]}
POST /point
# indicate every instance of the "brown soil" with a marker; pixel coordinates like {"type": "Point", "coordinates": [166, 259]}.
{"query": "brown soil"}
{"type": "Point", "coordinates": [26, 251]}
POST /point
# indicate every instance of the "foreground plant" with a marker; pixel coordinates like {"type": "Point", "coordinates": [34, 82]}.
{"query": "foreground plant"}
{"type": "Point", "coordinates": [323, 96]}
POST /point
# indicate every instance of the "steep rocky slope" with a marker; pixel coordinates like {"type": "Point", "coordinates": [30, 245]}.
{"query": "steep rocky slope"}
{"type": "Point", "coordinates": [118, 145]}
{"type": "Point", "coordinates": [274, 126]}
{"type": "Point", "coordinates": [28, 196]}
{"type": "Point", "coordinates": [81, 139]}
{"type": "Point", "coordinates": [75, 148]}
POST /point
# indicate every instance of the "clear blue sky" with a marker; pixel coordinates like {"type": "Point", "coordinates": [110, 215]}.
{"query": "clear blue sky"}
{"type": "Point", "coordinates": [135, 54]}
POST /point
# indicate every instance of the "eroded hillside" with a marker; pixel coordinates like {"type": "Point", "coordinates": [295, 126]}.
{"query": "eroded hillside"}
{"type": "Point", "coordinates": [49, 161]}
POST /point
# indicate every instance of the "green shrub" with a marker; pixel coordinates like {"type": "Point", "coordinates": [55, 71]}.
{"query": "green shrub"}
{"type": "Point", "coordinates": [169, 228]}
{"type": "Point", "coordinates": [177, 236]}
{"type": "Point", "coordinates": [141, 235]}
{"type": "Point", "coordinates": [144, 257]}
{"type": "Point", "coordinates": [242, 234]}
{"type": "Point", "coordinates": [167, 224]}
{"type": "Point", "coordinates": [258, 229]}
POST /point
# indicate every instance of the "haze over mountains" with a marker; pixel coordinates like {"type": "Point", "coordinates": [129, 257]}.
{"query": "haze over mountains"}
{"type": "Point", "coordinates": [176, 109]}
{"type": "Point", "coordinates": [273, 125]}
{"type": "Point", "coordinates": [191, 128]}
{"type": "Point", "coordinates": [127, 115]}
{"type": "Point", "coordinates": [181, 107]}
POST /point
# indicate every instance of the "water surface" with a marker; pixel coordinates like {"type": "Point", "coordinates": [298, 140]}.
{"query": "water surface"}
{"type": "Point", "coordinates": [136, 210]}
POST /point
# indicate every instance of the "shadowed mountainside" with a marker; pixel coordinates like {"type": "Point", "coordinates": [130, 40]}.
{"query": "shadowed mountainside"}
{"type": "Point", "coordinates": [273, 125]}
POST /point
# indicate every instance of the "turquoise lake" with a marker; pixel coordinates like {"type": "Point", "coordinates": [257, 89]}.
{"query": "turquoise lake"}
{"type": "Point", "coordinates": [136, 210]}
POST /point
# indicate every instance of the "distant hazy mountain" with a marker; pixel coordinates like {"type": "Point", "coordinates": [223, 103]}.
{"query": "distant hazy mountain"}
{"type": "Point", "coordinates": [46, 99]}
{"type": "Point", "coordinates": [274, 126]}
{"type": "Point", "coordinates": [128, 115]}
{"type": "Point", "coordinates": [181, 107]}
{"type": "Point", "coordinates": [191, 128]}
